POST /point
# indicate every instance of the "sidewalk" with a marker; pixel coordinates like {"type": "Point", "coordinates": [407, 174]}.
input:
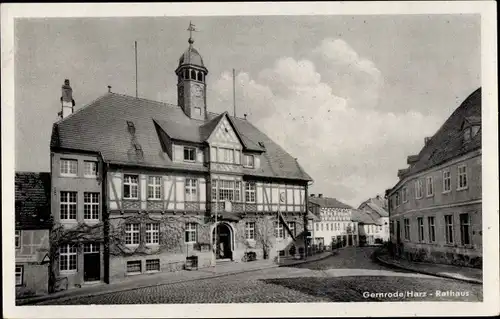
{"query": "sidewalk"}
{"type": "Point", "coordinates": [286, 262]}
{"type": "Point", "coordinates": [471, 275]}
{"type": "Point", "coordinates": [165, 278]}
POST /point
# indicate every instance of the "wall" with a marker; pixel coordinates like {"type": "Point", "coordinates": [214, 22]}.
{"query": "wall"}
{"type": "Point", "coordinates": [442, 203]}
{"type": "Point", "coordinates": [35, 280]}
{"type": "Point", "coordinates": [80, 184]}
{"type": "Point", "coordinates": [332, 216]}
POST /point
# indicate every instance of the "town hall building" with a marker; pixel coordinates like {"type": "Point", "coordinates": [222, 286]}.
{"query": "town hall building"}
{"type": "Point", "coordinates": [141, 186]}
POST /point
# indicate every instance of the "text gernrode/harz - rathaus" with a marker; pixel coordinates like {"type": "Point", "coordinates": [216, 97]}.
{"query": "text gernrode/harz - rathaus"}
{"type": "Point", "coordinates": [142, 186]}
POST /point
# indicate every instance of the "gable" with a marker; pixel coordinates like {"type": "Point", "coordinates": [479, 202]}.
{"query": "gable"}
{"type": "Point", "coordinates": [224, 135]}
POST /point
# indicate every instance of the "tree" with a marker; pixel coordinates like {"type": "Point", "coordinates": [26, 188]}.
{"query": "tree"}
{"type": "Point", "coordinates": [264, 232]}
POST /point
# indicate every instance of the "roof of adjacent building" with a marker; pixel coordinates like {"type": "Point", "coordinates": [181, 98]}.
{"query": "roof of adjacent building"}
{"type": "Point", "coordinates": [377, 205]}
{"type": "Point", "coordinates": [363, 217]}
{"type": "Point", "coordinates": [102, 127]}
{"type": "Point", "coordinates": [32, 195]}
{"type": "Point", "coordinates": [327, 202]}
{"type": "Point", "coordinates": [448, 143]}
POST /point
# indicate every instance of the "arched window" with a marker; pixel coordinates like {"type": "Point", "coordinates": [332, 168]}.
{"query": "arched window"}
{"type": "Point", "coordinates": [200, 76]}
{"type": "Point", "coordinates": [193, 75]}
{"type": "Point", "coordinates": [186, 74]}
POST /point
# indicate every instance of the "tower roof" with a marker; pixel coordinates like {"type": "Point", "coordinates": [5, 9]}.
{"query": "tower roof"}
{"type": "Point", "coordinates": [191, 57]}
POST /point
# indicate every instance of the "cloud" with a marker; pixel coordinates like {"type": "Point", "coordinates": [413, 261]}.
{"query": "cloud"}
{"type": "Point", "coordinates": [351, 149]}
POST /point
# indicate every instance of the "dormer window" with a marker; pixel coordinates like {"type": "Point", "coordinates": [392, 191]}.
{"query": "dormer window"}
{"type": "Point", "coordinates": [248, 161]}
{"type": "Point", "coordinates": [467, 134]}
{"type": "Point", "coordinates": [189, 154]}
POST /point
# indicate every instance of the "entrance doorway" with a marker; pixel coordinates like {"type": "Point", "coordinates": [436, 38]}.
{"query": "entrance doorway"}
{"type": "Point", "coordinates": [91, 262]}
{"type": "Point", "coordinates": [349, 240]}
{"type": "Point", "coordinates": [223, 243]}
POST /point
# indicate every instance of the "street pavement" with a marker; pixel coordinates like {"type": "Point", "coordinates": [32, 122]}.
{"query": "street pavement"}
{"type": "Point", "coordinates": [351, 275]}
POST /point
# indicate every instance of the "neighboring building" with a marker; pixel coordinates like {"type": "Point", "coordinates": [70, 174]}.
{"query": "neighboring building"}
{"type": "Point", "coordinates": [32, 211]}
{"type": "Point", "coordinates": [435, 208]}
{"type": "Point", "coordinates": [369, 229]}
{"type": "Point", "coordinates": [334, 226]}
{"type": "Point", "coordinates": [144, 181]}
{"type": "Point", "coordinates": [377, 209]}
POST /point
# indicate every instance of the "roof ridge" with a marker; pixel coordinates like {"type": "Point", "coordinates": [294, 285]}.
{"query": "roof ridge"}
{"type": "Point", "coordinates": [144, 99]}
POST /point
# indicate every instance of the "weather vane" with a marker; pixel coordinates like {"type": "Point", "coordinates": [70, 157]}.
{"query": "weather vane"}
{"type": "Point", "coordinates": [191, 29]}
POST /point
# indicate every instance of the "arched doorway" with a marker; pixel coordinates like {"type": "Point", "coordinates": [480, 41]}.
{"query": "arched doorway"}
{"type": "Point", "coordinates": [224, 241]}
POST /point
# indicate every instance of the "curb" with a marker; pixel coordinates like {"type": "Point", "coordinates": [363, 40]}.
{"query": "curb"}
{"type": "Point", "coordinates": [306, 261]}
{"type": "Point", "coordinates": [468, 280]}
{"type": "Point", "coordinates": [25, 302]}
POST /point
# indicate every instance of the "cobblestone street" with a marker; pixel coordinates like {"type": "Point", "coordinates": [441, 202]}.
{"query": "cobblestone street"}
{"type": "Point", "coordinates": [348, 276]}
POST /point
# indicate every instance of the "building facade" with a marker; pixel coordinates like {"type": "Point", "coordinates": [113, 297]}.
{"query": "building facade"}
{"type": "Point", "coordinates": [32, 226]}
{"type": "Point", "coordinates": [378, 232]}
{"type": "Point", "coordinates": [435, 208]}
{"type": "Point", "coordinates": [150, 186]}
{"type": "Point", "coordinates": [334, 225]}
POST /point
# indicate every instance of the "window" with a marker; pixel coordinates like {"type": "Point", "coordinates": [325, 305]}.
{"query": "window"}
{"type": "Point", "coordinates": [214, 190]}
{"type": "Point", "coordinates": [420, 222]}
{"type": "Point", "coordinates": [91, 248]}
{"type": "Point", "coordinates": [291, 226]}
{"type": "Point", "coordinates": [69, 167]}
{"type": "Point", "coordinates": [191, 189]}
{"type": "Point", "coordinates": [91, 206]}
{"type": "Point", "coordinates": [446, 181]}
{"type": "Point", "coordinates": [321, 226]}
{"type": "Point", "coordinates": [448, 221]}
{"type": "Point", "coordinates": [68, 206]}
{"type": "Point", "coordinates": [419, 191]}
{"type": "Point", "coordinates": [132, 234]}
{"type": "Point", "coordinates": [130, 187]}
{"type": "Point", "coordinates": [250, 192]}
{"type": "Point", "coordinates": [465, 229]}
{"type": "Point", "coordinates": [67, 257]}
{"type": "Point", "coordinates": [248, 161]}
{"type": "Point", "coordinates": [250, 230]}
{"type": "Point", "coordinates": [237, 191]}
{"type": "Point", "coordinates": [90, 168]}
{"type": "Point", "coordinates": [278, 230]}
{"type": "Point", "coordinates": [154, 187]}
{"type": "Point", "coordinates": [407, 228]}
{"type": "Point", "coordinates": [191, 236]}
{"type": "Point", "coordinates": [405, 194]}
{"type": "Point", "coordinates": [134, 267]}
{"type": "Point", "coordinates": [152, 233]}
{"type": "Point", "coordinates": [152, 265]}
{"type": "Point", "coordinates": [327, 227]}
{"type": "Point", "coordinates": [430, 186]}
{"type": "Point", "coordinates": [317, 227]}
{"type": "Point", "coordinates": [189, 154]}
{"type": "Point", "coordinates": [281, 253]}
{"type": "Point", "coordinates": [398, 201]}
{"type": "Point", "coordinates": [226, 190]}
{"type": "Point", "coordinates": [18, 239]}
{"type": "Point", "coordinates": [19, 275]}
{"type": "Point", "coordinates": [462, 177]}
{"type": "Point", "coordinates": [467, 134]}
{"type": "Point", "coordinates": [432, 229]}
{"type": "Point", "coordinates": [226, 155]}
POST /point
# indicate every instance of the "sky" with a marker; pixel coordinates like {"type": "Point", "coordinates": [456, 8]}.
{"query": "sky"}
{"type": "Point", "coordinates": [349, 96]}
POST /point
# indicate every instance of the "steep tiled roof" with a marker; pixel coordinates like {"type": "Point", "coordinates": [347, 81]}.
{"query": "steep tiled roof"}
{"type": "Point", "coordinates": [32, 195]}
{"type": "Point", "coordinates": [328, 202]}
{"type": "Point", "coordinates": [102, 127]}
{"type": "Point", "coordinates": [448, 143]}
{"type": "Point", "coordinates": [377, 205]}
{"type": "Point", "coordinates": [362, 217]}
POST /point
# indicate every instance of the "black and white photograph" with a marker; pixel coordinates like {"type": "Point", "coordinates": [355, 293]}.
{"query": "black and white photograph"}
{"type": "Point", "coordinates": [317, 158]}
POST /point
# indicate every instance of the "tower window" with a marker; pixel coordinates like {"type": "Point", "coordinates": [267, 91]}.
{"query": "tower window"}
{"type": "Point", "coordinates": [186, 74]}
{"type": "Point", "coordinates": [200, 75]}
{"type": "Point", "coordinates": [193, 75]}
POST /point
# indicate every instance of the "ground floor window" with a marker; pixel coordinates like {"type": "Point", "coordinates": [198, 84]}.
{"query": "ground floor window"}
{"type": "Point", "coordinates": [465, 229]}
{"type": "Point", "coordinates": [134, 266]}
{"type": "Point", "coordinates": [153, 265]}
{"type": "Point", "coordinates": [448, 221]}
{"type": "Point", "coordinates": [19, 275]}
{"type": "Point", "coordinates": [282, 253]}
{"type": "Point", "coordinates": [67, 257]}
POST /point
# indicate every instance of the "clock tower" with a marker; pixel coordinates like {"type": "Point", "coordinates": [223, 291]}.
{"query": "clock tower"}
{"type": "Point", "coordinates": [191, 81]}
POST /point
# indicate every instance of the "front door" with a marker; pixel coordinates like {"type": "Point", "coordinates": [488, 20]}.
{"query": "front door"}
{"type": "Point", "coordinates": [91, 262]}
{"type": "Point", "coordinates": [223, 242]}
{"type": "Point", "coordinates": [349, 240]}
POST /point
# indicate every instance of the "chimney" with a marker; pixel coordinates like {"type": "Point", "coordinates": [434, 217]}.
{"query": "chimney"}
{"type": "Point", "coordinates": [312, 195]}
{"type": "Point", "coordinates": [245, 115]}
{"type": "Point", "coordinates": [67, 102]}
{"type": "Point", "coordinates": [320, 195]}
{"type": "Point", "coordinates": [426, 140]}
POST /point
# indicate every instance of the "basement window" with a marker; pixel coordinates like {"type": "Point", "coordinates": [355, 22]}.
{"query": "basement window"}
{"type": "Point", "coordinates": [134, 267]}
